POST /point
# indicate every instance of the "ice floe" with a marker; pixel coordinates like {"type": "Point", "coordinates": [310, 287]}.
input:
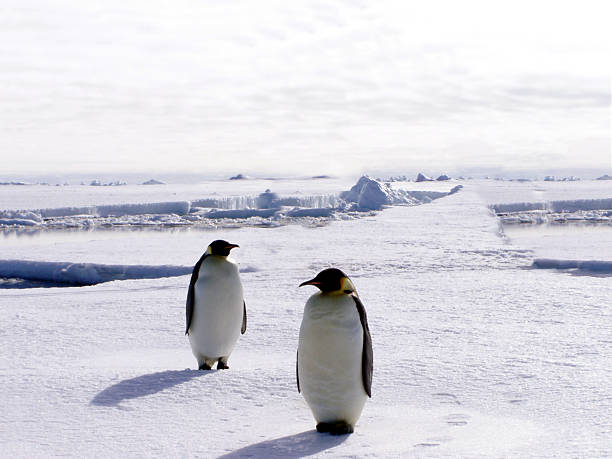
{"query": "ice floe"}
{"type": "Point", "coordinates": [266, 209]}
{"type": "Point", "coordinates": [84, 273]}
{"type": "Point", "coordinates": [81, 274]}
{"type": "Point", "coordinates": [564, 211]}
{"type": "Point", "coordinates": [594, 266]}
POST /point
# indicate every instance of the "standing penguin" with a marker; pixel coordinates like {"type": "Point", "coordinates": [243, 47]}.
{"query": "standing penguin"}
{"type": "Point", "coordinates": [335, 359]}
{"type": "Point", "coordinates": [216, 310]}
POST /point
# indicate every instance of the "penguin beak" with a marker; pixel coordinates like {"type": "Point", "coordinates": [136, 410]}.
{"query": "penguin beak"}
{"type": "Point", "coordinates": [310, 282]}
{"type": "Point", "coordinates": [231, 246]}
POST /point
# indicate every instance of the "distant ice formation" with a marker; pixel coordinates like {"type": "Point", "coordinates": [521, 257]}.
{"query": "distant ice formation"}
{"type": "Point", "coordinates": [153, 182]}
{"type": "Point", "coordinates": [268, 208]}
{"type": "Point", "coordinates": [99, 183]}
{"type": "Point", "coordinates": [577, 210]}
{"type": "Point", "coordinates": [423, 178]}
{"type": "Point", "coordinates": [370, 194]}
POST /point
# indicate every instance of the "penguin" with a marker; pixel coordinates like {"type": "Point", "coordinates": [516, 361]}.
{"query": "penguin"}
{"type": "Point", "coordinates": [334, 359]}
{"type": "Point", "coordinates": [216, 310]}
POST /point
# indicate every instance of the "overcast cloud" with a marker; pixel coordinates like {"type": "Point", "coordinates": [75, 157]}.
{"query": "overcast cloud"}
{"type": "Point", "coordinates": [303, 87]}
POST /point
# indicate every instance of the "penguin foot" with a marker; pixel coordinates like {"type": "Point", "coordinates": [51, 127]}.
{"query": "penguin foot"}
{"type": "Point", "coordinates": [221, 365]}
{"type": "Point", "coordinates": [335, 428]}
{"type": "Point", "coordinates": [205, 366]}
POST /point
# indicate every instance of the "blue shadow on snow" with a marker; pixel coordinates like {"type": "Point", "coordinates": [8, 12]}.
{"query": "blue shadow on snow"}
{"type": "Point", "coordinates": [291, 447]}
{"type": "Point", "coordinates": [141, 386]}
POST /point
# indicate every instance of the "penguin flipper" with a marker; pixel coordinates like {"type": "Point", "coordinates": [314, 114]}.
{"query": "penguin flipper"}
{"type": "Point", "coordinates": [244, 318]}
{"type": "Point", "coordinates": [367, 357]}
{"type": "Point", "coordinates": [191, 292]}
{"type": "Point", "coordinates": [297, 372]}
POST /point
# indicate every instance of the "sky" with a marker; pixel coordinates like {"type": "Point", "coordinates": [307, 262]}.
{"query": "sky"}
{"type": "Point", "coordinates": [304, 87]}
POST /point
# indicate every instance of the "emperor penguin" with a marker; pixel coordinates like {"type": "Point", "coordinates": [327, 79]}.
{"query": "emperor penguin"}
{"type": "Point", "coordinates": [334, 359]}
{"type": "Point", "coordinates": [216, 310]}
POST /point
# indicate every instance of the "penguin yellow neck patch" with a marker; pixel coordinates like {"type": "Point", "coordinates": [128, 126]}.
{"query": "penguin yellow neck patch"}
{"type": "Point", "coordinates": [346, 286]}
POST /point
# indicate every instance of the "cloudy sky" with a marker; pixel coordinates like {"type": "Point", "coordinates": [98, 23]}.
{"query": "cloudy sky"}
{"type": "Point", "coordinates": [305, 87]}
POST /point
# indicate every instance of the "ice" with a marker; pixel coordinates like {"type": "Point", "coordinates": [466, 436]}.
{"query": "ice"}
{"type": "Point", "coordinates": [241, 213]}
{"type": "Point", "coordinates": [475, 354]}
{"type": "Point", "coordinates": [594, 266]}
{"type": "Point", "coordinates": [370, 194]}
{"type": "Point", "coordinates": [556, 206]}
{"type": "Point", "coordinates": [367, 194]}
{"type": "Point", "coordinates": [84, 273]}
{"type": "Point", "coordinates": [423, 178]}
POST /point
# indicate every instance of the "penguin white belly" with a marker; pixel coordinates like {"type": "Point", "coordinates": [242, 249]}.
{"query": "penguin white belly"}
{"type": "Point", "coordinates": [218, 309]}
{"type": "Point", "coordinates": [330, 358]}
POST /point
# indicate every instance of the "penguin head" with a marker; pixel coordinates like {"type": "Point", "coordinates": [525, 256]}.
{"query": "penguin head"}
{"type": "Point", "coordinates": [332, 280]}
{"type": "Point", "coordinates": [220, 247]}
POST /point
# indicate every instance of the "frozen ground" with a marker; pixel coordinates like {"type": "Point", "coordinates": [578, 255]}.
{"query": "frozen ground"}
{"type": "Point", "coordinates": [217, 205]}
{"type": "Point", "coordinates": [476, 354]}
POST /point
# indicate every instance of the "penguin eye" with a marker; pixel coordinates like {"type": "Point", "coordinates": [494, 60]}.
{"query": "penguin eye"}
{"type": "Point", "coordinates": [348, 291]}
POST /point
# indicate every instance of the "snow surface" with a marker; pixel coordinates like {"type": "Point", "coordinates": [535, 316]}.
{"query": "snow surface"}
{"type": "Point", "coordinates": [84, 273]}
{"type": "Point", "coordinates": [267, 208]}
{"type": "Point", "coordinates": [474, 354]}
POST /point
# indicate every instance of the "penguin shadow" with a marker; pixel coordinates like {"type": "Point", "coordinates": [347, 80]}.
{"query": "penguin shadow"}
{"type": "Point", "coordinates": [290, 447]}
{"type": "Point", "coordinates": [144, 385]}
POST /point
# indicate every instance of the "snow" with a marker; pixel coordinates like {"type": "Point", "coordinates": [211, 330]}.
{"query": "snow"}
{"type": "Point", "coordinates": [474, 355]}
{"type": "Point", "coordinates": [580, 265]}
{"type": "Point", "coordinates": [367, 194]}
{"type": "Point", "coordinates": [15, 197]}
{"type": "Point", "coordinates": [423, 178]}
{"type": "Point", "coordinates": [557, 206]}
{"type": "Point", "coordinates": [501, 192]}
{"type": "Point", "coordinates": [370, 194]}
{"type": "Point", "coordinates": [84, 273]}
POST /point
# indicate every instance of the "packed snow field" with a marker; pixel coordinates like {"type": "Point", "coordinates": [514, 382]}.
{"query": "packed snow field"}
{"type": "Point", "coordinates": [209, 209]}
{"type": "Point", "coordinates": [480, 349]}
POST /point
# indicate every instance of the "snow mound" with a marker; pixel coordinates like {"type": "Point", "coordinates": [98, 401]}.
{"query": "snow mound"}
{"type": "Point", "coordinates": [238, 177]}
{"type": "Point", "coordinates": [605, 177]}
{"type": "Point", "coordinates": [79, 274]}
{"type": "Point", "coordinates": [443, 177]}
{"type": "Point", "coordinates": [153, 182]}
{"type": "Point", "coordinates": [423, 178]}
{"type": "Point", "coordinates": [370, 194]}
{"type": "Point", "coordinates": [595, 266]}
